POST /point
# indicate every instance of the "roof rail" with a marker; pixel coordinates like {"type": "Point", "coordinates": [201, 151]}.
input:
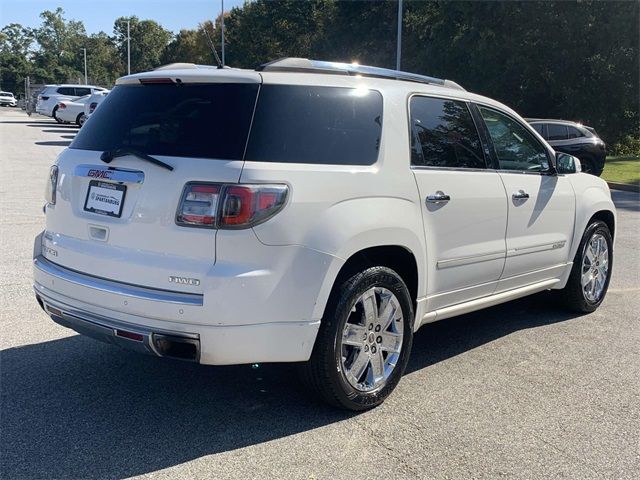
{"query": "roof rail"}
{"type": "Point", "coordinates": [304, 65]}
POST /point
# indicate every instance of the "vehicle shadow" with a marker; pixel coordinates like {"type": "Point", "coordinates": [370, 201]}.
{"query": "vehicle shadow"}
{"type": "Point", "coordinates": [57, 131]}
{"type": "Point", "coordinates": [77, 408]}
{"type": "Point", "coordinates": [54, 143]}
{"type": "Point", "coordinates": [626, 200]}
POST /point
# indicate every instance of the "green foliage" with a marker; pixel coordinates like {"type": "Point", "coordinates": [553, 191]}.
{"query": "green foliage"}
{"type": "Point", "coordinates": [627, 146]}
{"type": "Point", "coordinates": [573, 59]}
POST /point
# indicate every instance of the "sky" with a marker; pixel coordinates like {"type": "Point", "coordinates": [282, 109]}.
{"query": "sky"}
{"type": "Point", "coordinates": [99, 15]}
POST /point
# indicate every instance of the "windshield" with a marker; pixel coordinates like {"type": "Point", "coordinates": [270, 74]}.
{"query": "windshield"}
{"type": "Point", "coordinates": [188, 120]}
{"type": "Point", "coordinates": [6, 94]}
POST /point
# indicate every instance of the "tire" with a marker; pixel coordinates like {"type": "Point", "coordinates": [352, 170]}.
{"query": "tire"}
{"type": "Point", "coordinates": [53, 114]}
{"type": "Point", "coordinates": [329, 372]}
{"type": "Point", "coordinates": [576, 296]}
{"type": "Point", "coordinates": [80, 119]}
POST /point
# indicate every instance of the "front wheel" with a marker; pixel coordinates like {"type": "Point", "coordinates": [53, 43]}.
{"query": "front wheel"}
{"type": "Point", "coordinates": [364, 340]}
{"type": "Point", "coordinates": [591, 271]}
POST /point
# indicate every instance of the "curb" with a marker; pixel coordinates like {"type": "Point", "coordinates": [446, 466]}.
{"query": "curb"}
{"type": "Point", "coordinates": [627, 187]}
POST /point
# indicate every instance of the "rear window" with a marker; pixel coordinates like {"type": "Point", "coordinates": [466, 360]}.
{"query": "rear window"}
{"type": "Point", "coordinates": [190, 120]}
{"type": "Point", "coordinates": [67, 91]}
{"type": "Point", "coordinates": [316, 125]}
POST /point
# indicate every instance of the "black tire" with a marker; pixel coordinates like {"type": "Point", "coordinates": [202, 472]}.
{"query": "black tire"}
{"type": "Point", "coordinates": [53, 114]}
{"type": "Point", "coordinates": [79, 119]}
{"type": "Point", "coordinates": [572, 295]}
{"type": "Point", "coordinates": [323, 372]}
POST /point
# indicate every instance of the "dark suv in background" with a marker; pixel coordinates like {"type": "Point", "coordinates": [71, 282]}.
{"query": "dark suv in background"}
{"type": "Point", "coordinates": [575, 139]}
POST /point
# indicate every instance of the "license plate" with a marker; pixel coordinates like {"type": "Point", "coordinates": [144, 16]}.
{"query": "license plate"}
{"type": "Point", "coordinates": [105, 198]}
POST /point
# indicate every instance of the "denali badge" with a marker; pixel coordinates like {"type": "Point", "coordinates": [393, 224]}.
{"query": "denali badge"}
{"type": "Point", "coordinates": [184, 281]}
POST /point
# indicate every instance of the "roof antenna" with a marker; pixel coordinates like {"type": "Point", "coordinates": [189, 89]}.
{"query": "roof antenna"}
{"type": "Point", "coordinates": [211, 46]}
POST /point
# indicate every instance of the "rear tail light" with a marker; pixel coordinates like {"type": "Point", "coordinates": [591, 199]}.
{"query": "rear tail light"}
{"type": "Point", "coordinates": [208, 205]}
{"type": "Point", "coordinates": [62, 105]}
{"type": "Point", "coordinates": [52, 184]}
{"type": "Point", "coordinates": [92, 106]}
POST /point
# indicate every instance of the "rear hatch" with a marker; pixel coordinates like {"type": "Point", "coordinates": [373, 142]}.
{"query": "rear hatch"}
{"type": "Point", "coordinates": [122, 179]}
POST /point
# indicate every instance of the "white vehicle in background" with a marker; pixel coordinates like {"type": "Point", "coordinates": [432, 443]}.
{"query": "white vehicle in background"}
{"type": "Point", "coordinates": [94, 100]}
{"type": "Point", "coordinates": [52, 95]}
{"type": "Point", "coordinates": [7, 99]}
{"type": "Point", "coordinates": [72, 111]}
{"type": "Point", "coordinates": [311, 212]}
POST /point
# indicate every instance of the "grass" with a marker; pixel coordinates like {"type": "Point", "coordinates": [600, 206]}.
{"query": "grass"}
{"type": "Point", "coordinates": [623, 169]}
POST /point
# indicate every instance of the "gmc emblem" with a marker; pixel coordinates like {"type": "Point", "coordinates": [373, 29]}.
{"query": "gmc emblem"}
{"type": "Point", "coordinates": [99, 173]}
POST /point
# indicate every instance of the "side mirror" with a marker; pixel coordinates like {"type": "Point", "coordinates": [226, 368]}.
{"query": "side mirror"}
{"type": "Point", "coordinates": [567, 163]}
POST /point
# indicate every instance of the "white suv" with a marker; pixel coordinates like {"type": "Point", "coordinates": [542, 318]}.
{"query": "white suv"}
{"type": "Point", "coordinates": [52, 95]}
{"type": "Point", "coordinates": [309, 212]}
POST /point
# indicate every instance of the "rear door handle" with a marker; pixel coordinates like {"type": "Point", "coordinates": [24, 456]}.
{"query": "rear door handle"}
{"type": "Point", "coordinates": [438, 197]}
{"type": "Point", "coordinates": [520, 195]}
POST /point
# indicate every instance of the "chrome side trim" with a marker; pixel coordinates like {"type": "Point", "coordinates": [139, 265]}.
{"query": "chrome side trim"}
{"type": "Point", "coordinates": [109, 173]}
{"type": "Point", "coordinates": [459, 261]}
{"type": "Point", "coordinates": [536, 248]}
{"type": "Point", "coordinates": [118, 288]}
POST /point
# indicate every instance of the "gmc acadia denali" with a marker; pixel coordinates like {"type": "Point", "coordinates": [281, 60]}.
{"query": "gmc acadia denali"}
{"type": "Point", "coordinates": [310, 212]}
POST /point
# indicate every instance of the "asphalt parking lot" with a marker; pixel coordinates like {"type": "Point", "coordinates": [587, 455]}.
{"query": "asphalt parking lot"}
{"type": "Point", "coordinates": [521, 390]}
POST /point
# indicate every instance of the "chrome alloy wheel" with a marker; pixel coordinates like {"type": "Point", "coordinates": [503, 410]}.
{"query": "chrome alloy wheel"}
{"type": "Point", "coordinates": [372, 339]}
{"type": "Point", "coordinates": [595, 268]}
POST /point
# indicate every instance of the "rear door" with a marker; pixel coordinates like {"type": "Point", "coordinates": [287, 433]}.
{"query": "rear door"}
{"type": "Point", "coordinates": [117, 220]}
{"type": "Point", "coordinates": [541, 204]}
{"type": "Point", "coordinates": [464, 204]}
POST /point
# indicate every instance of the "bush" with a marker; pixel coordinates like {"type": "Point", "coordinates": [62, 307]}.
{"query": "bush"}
{"type": "Point", "coordinates": [629, 145]}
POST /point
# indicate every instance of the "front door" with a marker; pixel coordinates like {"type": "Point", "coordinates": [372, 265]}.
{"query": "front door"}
{"type": "Point", "coordinates": [464, 204]}
{"type": "Point", "coordinates": [541, 205]}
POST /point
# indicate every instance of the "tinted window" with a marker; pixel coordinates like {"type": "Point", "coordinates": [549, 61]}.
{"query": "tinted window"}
{"type": "Point", "coordinates": [82, 91]}
{"type": "Point", "coordinates": [556, 132]}
{"type": "Point", "coordinates": [67, 91]}
{"type": "Point", "coordinates": [307, 124]}
{"type": "Point", "coordinates": [538, 127]}
{"type": "Point", "coordinates": [574, 132]}
{"type": "Point", "coordinates": [444, 134]}
{"type": "Point", "coordinates": [203, 120]}
{"type": "Point", "coordinates": [515, 147]}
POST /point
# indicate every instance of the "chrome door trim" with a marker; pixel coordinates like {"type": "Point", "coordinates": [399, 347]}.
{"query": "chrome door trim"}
{"type": "Point", "coordinates": [459, 261]}
{"type": "Point", "coordinates": [114, 174]}
{"type": "Point", "coordinates": [536, 248]}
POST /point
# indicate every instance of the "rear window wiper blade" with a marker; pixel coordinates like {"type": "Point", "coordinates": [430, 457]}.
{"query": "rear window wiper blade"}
{"type": "Point", "coordinates": [108, 155]}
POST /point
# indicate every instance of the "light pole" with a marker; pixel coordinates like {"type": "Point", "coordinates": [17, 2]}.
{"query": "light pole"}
{"type": "Point", "coordinates": [222, 30]}
{"type": "Point", "coordinates": [399, 41]}
{"type": "Point", "coordinates": [86, 82]}
{"type": "Point", "coordinates": [128, 48]}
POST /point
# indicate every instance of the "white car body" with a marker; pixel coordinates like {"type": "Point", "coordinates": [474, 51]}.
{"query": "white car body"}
{"type": "Point", "coordinates": [7, 99]}
{"type": "Point", "coordinates": [51, 95]}
{"type": "Point", "coordinates": [71, 111]}
{"type": "Point", "coordinates": [259, 294]}
{"type": "Point", "coordinates": [94, 101]}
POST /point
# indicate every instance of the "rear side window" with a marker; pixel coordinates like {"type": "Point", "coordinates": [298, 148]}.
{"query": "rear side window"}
{"type": "Point", "coordinates": [444, 134]}
{"type": "Point", "coordinates": [67, 91]}
{"type": "Point", "coordinates": [188, 120]}
{"type": "Point", "coordinates": [557, 132]}
{"type": "Point", "coordinates": [316, 125]}
{"type": "Point", "coordinates": [574, 132]}
{"type": "Point", "coordinates": [82, 91]}
{"type": "Point", "coordinates": [538, 127]}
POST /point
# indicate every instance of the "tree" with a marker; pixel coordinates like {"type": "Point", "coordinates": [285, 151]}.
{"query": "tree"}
{"type": "Point", "coordinates": [15, 44]}
{"type": "Point", "coordinates": [148, 42]}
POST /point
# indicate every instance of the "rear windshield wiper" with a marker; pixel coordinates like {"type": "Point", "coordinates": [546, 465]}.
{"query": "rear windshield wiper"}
{"type": "Point", "coordinates": [109, 155]}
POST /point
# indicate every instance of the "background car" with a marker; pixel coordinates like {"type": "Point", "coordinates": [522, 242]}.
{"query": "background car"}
{"type": "Point", "coordinates": [94, 100]}
{"type": "Point", "coordinates": [575, 139]}
{"type": "Point", "coordinates": [7, 99]}
{"type": "Point", "coordinates": [52, 95]}
{"type": "Point", "coordinates": [72, 111]}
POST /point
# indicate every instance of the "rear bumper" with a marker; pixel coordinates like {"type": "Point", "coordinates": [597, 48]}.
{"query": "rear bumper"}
{"type": "Point", "coordinates": [109, 311]}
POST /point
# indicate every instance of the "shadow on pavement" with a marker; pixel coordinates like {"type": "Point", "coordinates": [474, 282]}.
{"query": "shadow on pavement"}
{"type": "Point", "coordinates": [77, 408]}
{"type": "Point", "coordinates": [54, 143]}
{"type": "Point", "coordinates": [57, 131]}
